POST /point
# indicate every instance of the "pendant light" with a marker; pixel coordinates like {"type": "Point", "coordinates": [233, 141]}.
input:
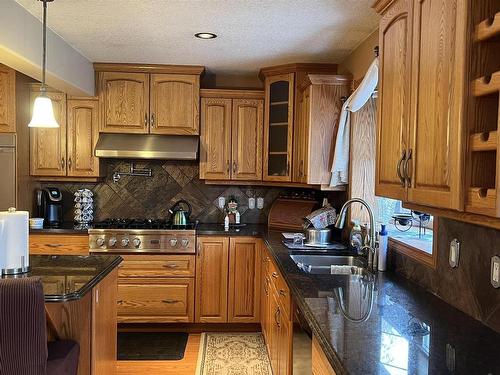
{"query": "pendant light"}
{"type": "Point", "coordinates": [43, 112]}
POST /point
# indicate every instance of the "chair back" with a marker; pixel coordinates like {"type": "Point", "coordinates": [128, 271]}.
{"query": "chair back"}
{"type": "Point", "coordinates": [23, 337]}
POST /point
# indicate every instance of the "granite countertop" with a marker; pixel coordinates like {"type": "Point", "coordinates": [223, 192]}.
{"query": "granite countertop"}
{"type": "Point", "coordinates": [69, 277]}
{"type": "Point", "coordinates": [65, 228]}
{"type": "Point", "coordinates": [406, 331]}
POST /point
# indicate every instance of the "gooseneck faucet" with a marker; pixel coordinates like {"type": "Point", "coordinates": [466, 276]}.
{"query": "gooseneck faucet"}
{"type": "Point", "coordinates": [372, 241]}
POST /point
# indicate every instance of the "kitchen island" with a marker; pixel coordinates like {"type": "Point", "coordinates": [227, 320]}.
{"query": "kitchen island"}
{"type": "Point", "coordinates": [80, 295]}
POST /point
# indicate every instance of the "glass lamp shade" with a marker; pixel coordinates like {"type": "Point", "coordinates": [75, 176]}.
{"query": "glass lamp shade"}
{"type": "Point", "coordinates": [43, 113]}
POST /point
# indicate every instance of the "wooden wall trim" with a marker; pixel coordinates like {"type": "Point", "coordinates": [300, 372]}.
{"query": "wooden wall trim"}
{"type": "Point", "coordinates": [148, 68]}
{"type": "Point", "coordinates": [292, 68]}
{"type": "Point", "coordinates": [232, 93]}
{"type": "Point", "coordinates": [329, 79]}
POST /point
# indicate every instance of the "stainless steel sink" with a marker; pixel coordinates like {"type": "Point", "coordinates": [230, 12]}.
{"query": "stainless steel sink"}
{"type": "Point", "coordinates": [330, 264]}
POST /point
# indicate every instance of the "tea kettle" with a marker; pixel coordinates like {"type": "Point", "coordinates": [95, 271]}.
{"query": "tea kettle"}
{"type": "Point", "coordinates": [180, 216]}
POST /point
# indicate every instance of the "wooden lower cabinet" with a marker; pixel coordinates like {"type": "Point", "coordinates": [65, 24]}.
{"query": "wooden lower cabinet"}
{"type": "Point", "coordinates": [244, 280]}
{"type": "Point", "coordinates": [59, 244]}
{"type": "Point", "coordinates": [276, 321]}
{"type": "Point", "coordinates": [159, 300]}
{"type": "Point", "coordinates": [212, 266]}
{"type": "Point", "coordinates": [156, 289]}
{"type": "Point", "coordinates": [320, 364]}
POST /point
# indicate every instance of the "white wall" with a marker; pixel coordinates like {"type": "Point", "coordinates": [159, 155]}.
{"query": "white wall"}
{"type": "Point", "coordinates": [21, 49]}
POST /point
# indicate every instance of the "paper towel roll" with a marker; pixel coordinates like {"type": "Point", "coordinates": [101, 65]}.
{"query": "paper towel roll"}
{"type": "Point", "coordinates": [14, 237]}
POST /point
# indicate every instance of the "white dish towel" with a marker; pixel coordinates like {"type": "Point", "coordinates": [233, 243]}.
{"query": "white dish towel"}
{"type": "Point", "coordinates": [340, 165]}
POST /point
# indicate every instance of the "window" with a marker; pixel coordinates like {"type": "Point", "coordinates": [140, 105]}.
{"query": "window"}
{"type": "Point", "coordinates": [410, 232]}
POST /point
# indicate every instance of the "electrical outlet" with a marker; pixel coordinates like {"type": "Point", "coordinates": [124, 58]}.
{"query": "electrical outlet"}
{"type": "Point", "coordinates": [251, 203]}
{"type": "Point", "coordinates": [454, 253]}
{"type": "Point", "coordinates": [260, 203]}
{"type": "Point", "coordinates": [222, 202]}
{"type": "Point", "coordinates": [495, 271]}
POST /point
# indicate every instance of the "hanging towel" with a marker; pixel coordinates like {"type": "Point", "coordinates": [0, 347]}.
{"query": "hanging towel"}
{"type": "Point", "coordinates": [340, 165]}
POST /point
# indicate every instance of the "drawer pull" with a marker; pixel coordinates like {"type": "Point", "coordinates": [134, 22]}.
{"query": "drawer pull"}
{"type": "Point", "coordinates": [275, 275]}
{"type": "Point", "coordinates": [171, 301]}
{"type": "Point", "coordinates": [171, 265]}
{"type": "Point", "coordinates": [119, 302]}
{"type": "Point", "coordinates": [277, 316]}
{"type": "Point", "coordinates": [282, 292]}
{"type": "Point", "coordinates": [54, 245]}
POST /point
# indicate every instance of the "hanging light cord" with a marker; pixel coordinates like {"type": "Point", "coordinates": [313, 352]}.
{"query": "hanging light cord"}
{"type": "Point", "coordinates": [44, 44]}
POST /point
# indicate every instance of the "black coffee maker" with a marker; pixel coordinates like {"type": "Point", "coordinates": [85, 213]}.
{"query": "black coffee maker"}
{"type": "Point", "coordinates": [49, 205]}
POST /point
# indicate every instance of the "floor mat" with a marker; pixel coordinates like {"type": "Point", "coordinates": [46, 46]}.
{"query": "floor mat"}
{"type": "Point", "coordinates": [137, 346]}
{"type": "Point", "coordinates": [233, 353]}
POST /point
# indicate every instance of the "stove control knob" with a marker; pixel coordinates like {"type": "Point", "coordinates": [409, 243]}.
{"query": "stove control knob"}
{"type": "Point", "coordinates": [185, 242]}
{"type": "Point", "coordinates": [100, 241]}
{"type": "Point", "coordinates": [173, 242]}
{"type": "Point", "coordinates": [125, 241]}
{"type": "Point", "coordinates": [112, 241]}
{"type": "Point", "coordinates": [137, 242]}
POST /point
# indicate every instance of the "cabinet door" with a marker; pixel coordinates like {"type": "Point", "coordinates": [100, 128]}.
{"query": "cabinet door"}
{"type": "Point", "coordinates": [212, 264]}
{"type": "Point", "coordinates": [157, 300]}
{"type": "Point", "coordinates": [247, 131]}
{"type": "Point", "coordinates": [274, 334]}
{"type": "Point", "coordinates": [104, 327]}
{"type": "Point", "coordinates": [278, 128]}
{"type": "Point", "coordinates": [393, 99]}
{"type": "Point", "coordinates": [301, 137]}
{"type": "Point", "coordinates": [83, 131]}
{"type": "Point", "coordinates": [285, 346]}
{"type": "Point", "coordinates": [174, 104]}
{"type": "Point", "coordinates": [435, 125]}
{"type": "Point", "coordinates": [244, 280]}
{"type": "Point", "coordinates": [124, 101]}
{"type": "Point", "coordinates": [215, 149]}
{"type": "Point", "coordinates": [48, 145]}
{"type": "Point", "coordinates": [7, 99]}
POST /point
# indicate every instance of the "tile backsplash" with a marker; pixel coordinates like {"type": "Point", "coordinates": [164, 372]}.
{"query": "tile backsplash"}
{"type": "Point", "coordinates": [467, 287]}
{"type": "Point", "coordinates": [151, 197]}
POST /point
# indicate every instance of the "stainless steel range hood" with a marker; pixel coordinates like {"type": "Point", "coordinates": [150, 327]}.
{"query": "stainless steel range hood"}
{"type": "Point", "coordinates": [147, 146]}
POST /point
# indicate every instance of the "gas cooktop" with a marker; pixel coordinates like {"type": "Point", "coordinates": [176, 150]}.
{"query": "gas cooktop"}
{"type": "Point", "coordinates": [141, 224]}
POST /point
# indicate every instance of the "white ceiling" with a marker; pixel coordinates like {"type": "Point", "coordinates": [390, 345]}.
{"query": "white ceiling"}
{"type": "Point", "coordinates": [251, 33]}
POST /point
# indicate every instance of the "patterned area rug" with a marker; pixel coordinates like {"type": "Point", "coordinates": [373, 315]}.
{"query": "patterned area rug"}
{"type": "Point", "coordinates": [233, 354]}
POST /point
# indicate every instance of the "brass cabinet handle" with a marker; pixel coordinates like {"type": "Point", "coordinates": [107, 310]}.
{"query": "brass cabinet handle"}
{"type": "Point", "coordinates": [405, 168]}
{"type": "Point", "coordinates": [119, 302]}
{"type": "Point", "coordinates": [171, 301]}
{"type": "Point", "coordinates": [275, 275]}
{"type": "Point", "coordinates": [54, 245]}
{"type": "Point", "coordinates": [398, 168]}
{"type": "Point", "coordinates": [227, 166]}
{"type": "Point", "coordinates": [62, 163]}
{"type": "Point", "coordinates": [235, 167]}
{"type": "Point", "coordinates": [282, 292]}
{"type": "Point", "coordinates": [276, 316]}
{"type": "Point", "coordinates": [69, 162]}
{"type": "Point", "coordinates": [152, 120]}
{"type": "Point", "coordinates": [145, 119]}
{"type": "Point", "coordinates": [171, 265]}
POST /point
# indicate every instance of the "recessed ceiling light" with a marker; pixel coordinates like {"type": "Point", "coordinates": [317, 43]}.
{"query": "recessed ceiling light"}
{"type": "Point", "coordinates": [205, 35]}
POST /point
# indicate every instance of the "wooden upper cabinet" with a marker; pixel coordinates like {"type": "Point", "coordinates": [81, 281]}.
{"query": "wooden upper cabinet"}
{"type": "Point", "coordinates": [393, 99]}
{"type": "Point", "coordinates": [174, 104]}
{"type": "Point", "coordinates": [318, 108]}
{"type": "Point", "coordinates": [278, 127]}
{"type": "Point", "coordinates": [7, 99]}
{"type": "Point", "coordinates": [83, 131]}
{"type": "Point", "coordinates": [244, 280]}
{"type": "Point", "coordinates": [48, 145]}
{"type": "Point", "coordinates": [215, 149]}
{"type": "Point", "coordinates": [212, 266]}
{"type": "Point", "coordinates": [124, 100]}
{"type": "Point", "coordinates": [437, 92]}
{"type": "Point", "coordinates": [247, 128]}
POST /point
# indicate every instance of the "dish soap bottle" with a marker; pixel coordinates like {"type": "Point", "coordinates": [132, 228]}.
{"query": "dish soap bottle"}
{"type": "Point", "coordinates": [356, 237]}
{"type": "Point", "coordinates": [382, 249]}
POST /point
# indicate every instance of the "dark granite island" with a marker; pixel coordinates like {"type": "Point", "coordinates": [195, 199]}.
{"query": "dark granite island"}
{"type": "Point", "coordinates": [80, 294]}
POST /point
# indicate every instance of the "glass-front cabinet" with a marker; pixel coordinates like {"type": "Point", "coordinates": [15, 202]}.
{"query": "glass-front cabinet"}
{"type": "Point", "coordinates": [278, 129]}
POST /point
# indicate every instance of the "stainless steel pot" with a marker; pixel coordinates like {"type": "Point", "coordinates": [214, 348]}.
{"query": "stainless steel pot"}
{"type": "Point", "coordinates": [318, 236]}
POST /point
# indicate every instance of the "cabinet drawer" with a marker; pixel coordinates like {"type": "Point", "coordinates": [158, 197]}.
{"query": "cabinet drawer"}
{"type": "Point", "coordinates": [137, 266]}
{"type": "Point", "coordinates": [169, 300]}
{"type": "Point", "coordinates": [59, 244]}
{"type": "Point", "coordinates": [280, 287]}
